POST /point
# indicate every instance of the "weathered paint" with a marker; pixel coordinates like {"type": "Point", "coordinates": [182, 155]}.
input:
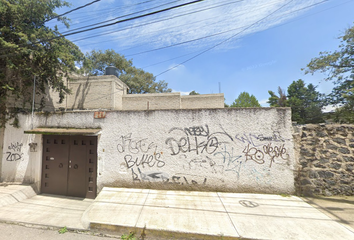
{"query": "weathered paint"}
{"type": "Point", "coordinates": [238, 150]}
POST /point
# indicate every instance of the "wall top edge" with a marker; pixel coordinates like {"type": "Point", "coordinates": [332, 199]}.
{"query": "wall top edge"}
{"type": "Point", "coordinates": [163, 110]}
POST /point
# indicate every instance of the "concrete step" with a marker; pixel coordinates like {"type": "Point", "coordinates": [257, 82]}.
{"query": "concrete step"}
{"type": "Point", "coordinates": [11, 193]}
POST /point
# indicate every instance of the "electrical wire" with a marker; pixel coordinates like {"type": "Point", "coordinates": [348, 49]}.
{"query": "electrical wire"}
{"type": "Point", "coordinates": [75, 9]}
{"type": "Point", "coordinates": [128, 19]}
{"type": "Point", "coordinates": [157, 63]}
{"type": "Point", "coordinates": [120, 21]}
{"type": "Point", "coordinates": [130, 14]}
{"type": "Point", "coordinates": [230, 38]}
{"type": "Point", "coordinates": [153, 22]}
{"type": "Point", "coordinates": [208, 36]}
{"type": "Point", "coordinates": [226, 40]}
{"type": "Point", "coordinates": [106, 11]}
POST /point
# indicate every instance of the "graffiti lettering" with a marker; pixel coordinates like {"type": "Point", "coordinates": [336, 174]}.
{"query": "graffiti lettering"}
{"type": "Point", "coordinates": [145, 159]}
{"type": "Point", "coordinates": [14, 154]}
{"type": "Point", "coordinates": [244, 138]}
{"type": "Point", "coordinates": [276, 137]}
{"type": "Point", "coordinates": [258, 156]}
{"type": "Point", "coordinates": [139, 152]}
{"type": "Point", "coordinates": [195, 139]}
{"type": "Point", "coordinates": [15, 146]}
{"type": "Point", "coordinates": [177, 179]}
{"type": "Point", "coordinates": [254, 154]}
{"type": "Point", "coordinates": [185, 144]}
{"type": "Point", "coordinates": [11, 157]}
{"type": "Point", "coordinates": [198, 131]}
{"type": "Point", "coordinates": [231, 161]}
{"type": "Point", "coordinates": [129, 145]}
{"type": "Point", "coordinates": [275, 152]}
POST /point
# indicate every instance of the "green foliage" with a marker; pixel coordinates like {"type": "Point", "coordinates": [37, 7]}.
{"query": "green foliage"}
{"type": "Point", "coordinates": [245, 100]}
{"type": "Point", "coordinates": [28, 48]}
{"type": "Point", "coordinates": [339, 67]}
{"type": "Point", "coordinates": [277, 101]}
{"type": "Point", "coordinates": [194, 93]}
{"type": "Point", "coordinates": [305, 102]}
{"type": "Point", "coordinates": [130, 236]}
{"type": "Point", "coordinates": [137, 79]}
{"type": "Point", "coordinates": [62, 230]}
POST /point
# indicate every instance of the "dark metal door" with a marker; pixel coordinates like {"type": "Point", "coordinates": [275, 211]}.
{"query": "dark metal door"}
{"type": "Point", "coordinates": [55, 164]}
{"type": "Point", "coordinates": [69, 168]}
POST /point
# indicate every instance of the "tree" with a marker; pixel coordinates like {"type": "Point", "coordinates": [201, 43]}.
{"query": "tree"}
{"type": "Point", "coordinates": [245, 100]}
{"type": "Point", "coordinates": [305, 102]}
{"type": "Point", "coordinates": [339, 67]}
{"type": "Point", "coordinates": [277, 101]}
{"type": "Point", "coordinates": [28, 48]}
{"type": "Point", "coordinates": [194, 93]}
{"type": "Point", "coordinates": [137, 79]}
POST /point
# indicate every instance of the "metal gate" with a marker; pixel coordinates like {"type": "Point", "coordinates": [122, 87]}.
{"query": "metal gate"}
{"type": "Point", "coordinates": [69, 165]}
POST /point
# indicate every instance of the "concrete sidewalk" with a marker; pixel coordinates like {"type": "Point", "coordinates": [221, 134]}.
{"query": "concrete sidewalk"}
{"type": "Point", "coordinates": [339, 208]}
{"type": "Point", "coordinates": [159, 214]}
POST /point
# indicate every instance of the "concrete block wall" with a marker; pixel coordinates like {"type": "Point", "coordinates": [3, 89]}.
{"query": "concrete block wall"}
{"type": "Point", "coordinates": [202, 101]}
{"type": "Point", "coordinates": [236, 149]}
{"type": "Point", "coordinates": [158, 101]}
{"type": "Point", "coordinates": [90, 92]}
{"type": "Point", "coordinates": [151, 101]}
{"type": "Point", "coordinates": [95, 92]}
{"type": "Point", "coordinates": [326, 159]}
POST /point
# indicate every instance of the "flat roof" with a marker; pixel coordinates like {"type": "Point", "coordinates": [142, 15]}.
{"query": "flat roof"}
{"type": "Point", "coordinates": [64, 131]}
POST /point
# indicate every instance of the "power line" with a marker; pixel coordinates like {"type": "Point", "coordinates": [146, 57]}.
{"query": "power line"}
{"type": "Point", "coordinates": [120, 21]}
{"type": "Point", "coordinates": [128, 19]}
{"type": "Point", "coordinates": [75, 9]}
{"type": "Point", "coordinates": [238, 33]}
{"type": "Point", "coordinates": [157, 21]}
{"type": "Point", "coordinates": [212, 35]}
{"type": "Point", "coordinates": [104, 11]}
{"type": "Point", "coordinates": [95, 24]}
{"type": "Point", "coordinates": [222, 42]}
{"type": "Point", "coordinates": [268, 28]}
{"type": "Point", "coordinates": [180, 43]}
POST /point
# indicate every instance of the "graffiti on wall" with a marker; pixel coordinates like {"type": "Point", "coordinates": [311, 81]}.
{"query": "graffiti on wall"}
{"type": "Point", "coordinates": [139, 152]}
{"type": "Point", "coordinates": [257, 140]}
{"type": "Point", "coordinates": [14, 152]}
{"type": "Point", "coordinates": [196, 139]}
{"type": "Point", "coordinates": [272, 152]}
{"type": "Point", "coordinates": [202, 152]}
{"type": "Point", "coordinates": [177, 179]}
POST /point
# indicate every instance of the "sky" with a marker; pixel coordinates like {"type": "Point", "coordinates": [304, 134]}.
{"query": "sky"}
{"type": "Point", "coordinates": [212, 46]}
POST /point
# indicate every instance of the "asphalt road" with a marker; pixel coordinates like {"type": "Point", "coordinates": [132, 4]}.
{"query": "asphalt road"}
{"type": "Point", "coordinates": [16, 232]}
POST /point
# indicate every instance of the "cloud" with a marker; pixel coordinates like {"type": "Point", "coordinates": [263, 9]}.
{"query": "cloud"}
{"type": "Point", "coordinates": [211, 22]}
{"type": "Point", "coordinates": [177, 67]}
{"type": "Point", "coordinates": [330, 108]}
{"type": "Point", "coordinates": [264, 103]}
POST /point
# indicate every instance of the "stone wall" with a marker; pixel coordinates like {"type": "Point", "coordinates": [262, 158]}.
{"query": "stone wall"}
{"type": "Point", "coordinates": [326, 159]}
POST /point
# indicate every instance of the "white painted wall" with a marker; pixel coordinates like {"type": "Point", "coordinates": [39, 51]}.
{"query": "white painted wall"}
{"type": "Point", "coordinates": [19, 164]}
{"type": "Point", "coordinates": [238, 150]}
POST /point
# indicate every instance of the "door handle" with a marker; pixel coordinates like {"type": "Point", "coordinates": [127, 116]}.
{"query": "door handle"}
{"type": "Point", "coordinates": [69, 161]}
{"type": "Point", "coordinates": [69, 166]}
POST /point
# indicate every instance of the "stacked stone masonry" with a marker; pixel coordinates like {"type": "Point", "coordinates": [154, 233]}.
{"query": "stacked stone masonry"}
{"type": "Point", "coordinates": [326, 159]}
